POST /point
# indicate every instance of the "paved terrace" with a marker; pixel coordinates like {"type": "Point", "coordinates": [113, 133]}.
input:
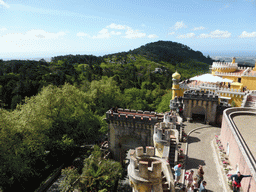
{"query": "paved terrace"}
{"type": "Point", "coordinates": [201, 152]}
{"type": "Point", "coordinates": [246, 124]}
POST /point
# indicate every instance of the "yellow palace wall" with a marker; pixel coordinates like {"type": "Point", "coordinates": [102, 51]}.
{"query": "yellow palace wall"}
{"type": "Point", "coordinates": [236, 98]}
{"type": "Point", "coordinates": [249, 82]}
{"type": "Point", "coordinates": [224, 70]}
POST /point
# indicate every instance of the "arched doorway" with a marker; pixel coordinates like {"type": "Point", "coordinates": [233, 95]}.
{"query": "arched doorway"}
{"type": "Point", "coordinates": [198, 114]}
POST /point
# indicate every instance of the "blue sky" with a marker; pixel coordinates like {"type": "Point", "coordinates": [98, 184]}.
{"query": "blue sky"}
{"type": "Point", "coordinates": [45, 28]}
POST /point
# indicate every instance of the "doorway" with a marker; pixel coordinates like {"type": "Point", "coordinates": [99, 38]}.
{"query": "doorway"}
{"type": "Point", "coordinates": [198, 114]}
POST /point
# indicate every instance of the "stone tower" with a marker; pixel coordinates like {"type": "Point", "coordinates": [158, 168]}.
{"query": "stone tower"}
{"type": "Point", "coordinates": [166, 138]}
{"type": "Point", "coordinates": [148, 173]}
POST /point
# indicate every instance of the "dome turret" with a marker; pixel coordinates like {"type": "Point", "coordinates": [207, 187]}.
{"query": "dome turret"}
{"type": "Point", "coordinates": [176, 75]}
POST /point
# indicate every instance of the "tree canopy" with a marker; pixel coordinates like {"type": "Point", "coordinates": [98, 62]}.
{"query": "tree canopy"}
{"type": "Point", "coordinates": [56, 120]}
{"type": "Point", "coordinates": [99, 174]}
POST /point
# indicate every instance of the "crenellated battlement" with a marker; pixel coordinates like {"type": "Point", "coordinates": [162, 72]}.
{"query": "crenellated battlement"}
{"type": "Point", "coordinates": [224, 65]}
{"type": "Point", "coordinates": [162, 131]}
{"type": "Point", "coordinates": [127, 115]}
{"type": "Point", "coordinates": [137, 125]}
{"type": "Point", "coordinates": [145, 165]}
{"type": "Point", "coordinates": [244, 68]}
{"type": "Point", "coordinates": [202, 95]}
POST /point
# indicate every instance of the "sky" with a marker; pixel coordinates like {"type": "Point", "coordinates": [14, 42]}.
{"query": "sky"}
{"type": "Point", "coordinates": [46, 28]}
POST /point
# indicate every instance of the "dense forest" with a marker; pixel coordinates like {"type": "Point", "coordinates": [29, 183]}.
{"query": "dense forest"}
{"type": "Point", "coordinates": [49, 108]}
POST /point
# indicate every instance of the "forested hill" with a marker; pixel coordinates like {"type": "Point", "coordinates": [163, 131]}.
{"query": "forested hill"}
{"type": "Point", "coordinates": [147, 67]}
{"type": "Point", "coordinates": [167, 51]}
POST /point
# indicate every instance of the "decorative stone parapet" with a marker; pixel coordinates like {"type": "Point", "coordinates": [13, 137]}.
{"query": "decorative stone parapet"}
{"type": "Point", "coordinates": [145, 165]}
{"type": "Point", "coordinates": [202, 95]}
{"type": "Point", "coordinates": [228, 74]}
{"type": "Point", "coordinates": [162, 131]}
{"type": "Point", "coordinates": [249, 74]}
{"type": "Point", "coordinates": [136, 117]}
{"type": "Point", "coordinates": [224, 65]}
{"type": "Point", "coordinates": [244, 68]}
{"type": "Point", "coordinates": [215, 88]}
{"type": "Point", "coordinates": [147, 172]}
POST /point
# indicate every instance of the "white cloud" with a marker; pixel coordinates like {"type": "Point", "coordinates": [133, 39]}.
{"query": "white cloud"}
{"type": "Point", "coordinates": [179, 25]}
{"type": "Point", "coordinates": [198, 28]}
{"type": "Point", "coordinates": [203, 35]}
{"type": "Point", "coordinates": [33, 41]}
{"type": "Point", "coordinates": [4, 4]}
{"type": "Point", "coordinates": [43, 34]}
{"type": "Point", "coordinates": [103, 34]}
{"type": "Point", "coordinates": [247, 35]}
{"type": "Point", "coordinates": [82, 34]}
{"type": "Point", "coordinates": [133, 34]}
{"type": "Point", "coordinates": [32, 34]}
{"type": "Point", "coordinates": [129, 34]}
{"type": "Point", "coordinates": [115, 33]}
{"type": "Point", "coordinates": [115, 26]}
{"type": "Point", "coordinates": [3, 29]}
{"type": "Point", "coordinates": [186, 36]}
{"type": "Point", "coordinates": [152, 36]}
{"type": "Point", "coordinates": [216, 34]}
{"type": "Point", "coordinates": [171, 33]}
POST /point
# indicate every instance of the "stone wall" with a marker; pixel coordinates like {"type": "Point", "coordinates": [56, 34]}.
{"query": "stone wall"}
{"type": "Point", "coordinates": [205, 102]}
{"type": "Point", "coordinates": [237, 149]}
{"type": "Point", "coordinates": [130, 130]}
{"type": "Point", "coordinates": [146, 171]}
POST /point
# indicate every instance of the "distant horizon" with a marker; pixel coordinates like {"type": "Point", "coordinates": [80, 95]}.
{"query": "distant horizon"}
{"type": "Point", "coordinates": [212, 54]}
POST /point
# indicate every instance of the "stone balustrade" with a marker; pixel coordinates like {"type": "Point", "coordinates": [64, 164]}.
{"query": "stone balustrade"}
{"type": "Point", "coordinates": [228, 74]}
{"type": "Point", "coordinates": [212, 87]}
{"type": "Point", "coordinates": [248, 74]}
{"type": "Point", "coordinates": [221, 65]}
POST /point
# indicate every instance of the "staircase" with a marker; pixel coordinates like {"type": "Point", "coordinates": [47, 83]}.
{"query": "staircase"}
{"type": "Point", "coordinates": [172, 151]}
{"type": "Point", "coordinates": [251, 101]}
